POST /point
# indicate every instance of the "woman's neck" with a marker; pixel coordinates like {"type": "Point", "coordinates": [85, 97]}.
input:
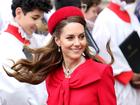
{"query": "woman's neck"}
{"type": "Point", "coordinates": [70, 64]}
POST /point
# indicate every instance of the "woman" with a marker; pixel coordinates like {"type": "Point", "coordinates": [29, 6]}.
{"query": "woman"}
{"type": "Point", "coordinates": [73, 76]}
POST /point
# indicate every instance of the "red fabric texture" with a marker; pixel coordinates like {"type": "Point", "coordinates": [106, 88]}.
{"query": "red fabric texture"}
{"type": "Point", "coordinates": [124, 77]}
{"type": "Point", "coordinates": [62, 14]}
{"type": "Point", "coordinates": [123, 14]}
{"type": "Point", "coordinates": [13, 30]}
{"type": "Point", "coordinates": [91, 83]}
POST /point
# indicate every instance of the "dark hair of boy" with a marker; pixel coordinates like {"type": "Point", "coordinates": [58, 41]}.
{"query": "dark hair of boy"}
{"type": "Point", "coordinates": [29, 5]}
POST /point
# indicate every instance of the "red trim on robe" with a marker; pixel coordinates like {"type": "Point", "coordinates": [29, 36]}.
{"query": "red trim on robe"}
{"type": "Point", "coordinates": [123, 14]}
{"type": "Point", "coordinates": [13, 30]}
{"type": "Point", "coordinates": [124, 77]}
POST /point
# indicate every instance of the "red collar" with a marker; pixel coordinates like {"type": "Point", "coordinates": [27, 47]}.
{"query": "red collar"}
{"type": "Point", "coordinates": [122, 14]}
{"type": "Point", "coordinates": [13, 30]}
{"type": "Point", "coordinates": [84, 75]}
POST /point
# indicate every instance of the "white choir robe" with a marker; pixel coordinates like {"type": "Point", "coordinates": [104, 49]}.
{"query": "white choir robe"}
{"type": "Point", "coordinates": [13, 92]}
{"type": "Point", "coordinates": [109, 26]}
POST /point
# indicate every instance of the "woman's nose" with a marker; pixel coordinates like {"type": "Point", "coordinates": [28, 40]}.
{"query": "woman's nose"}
{"type": "Point", "coordinates": [77, 41]}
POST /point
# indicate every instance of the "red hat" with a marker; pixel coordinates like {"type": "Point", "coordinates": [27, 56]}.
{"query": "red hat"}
{"type": "Point", "coordinates": [62, 14]}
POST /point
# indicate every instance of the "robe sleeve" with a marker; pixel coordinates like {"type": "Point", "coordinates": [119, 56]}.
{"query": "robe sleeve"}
{"type": "Point", "coordinates": [106, 91]}
{"type": "Point", "coordinates": [10, 49]}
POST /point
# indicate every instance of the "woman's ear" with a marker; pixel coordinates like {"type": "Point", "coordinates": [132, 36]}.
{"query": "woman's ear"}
{"type": "Point", "coordinates": [57, 41]}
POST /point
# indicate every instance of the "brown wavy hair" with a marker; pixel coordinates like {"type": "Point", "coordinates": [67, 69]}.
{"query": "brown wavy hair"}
{"type": "Point", "coordinates": [46, 59]}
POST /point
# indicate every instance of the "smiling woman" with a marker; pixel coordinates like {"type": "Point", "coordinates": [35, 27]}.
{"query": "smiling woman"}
{"type": "Point", "coordinates": [73, 76]}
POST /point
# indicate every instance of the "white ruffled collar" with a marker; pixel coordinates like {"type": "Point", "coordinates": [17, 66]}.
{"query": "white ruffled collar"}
{"type": "Point", "coordinates": [20, 30]}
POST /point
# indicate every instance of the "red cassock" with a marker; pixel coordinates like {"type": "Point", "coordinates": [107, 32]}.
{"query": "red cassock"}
{"type": "Point", "coordinates": [91, 83]}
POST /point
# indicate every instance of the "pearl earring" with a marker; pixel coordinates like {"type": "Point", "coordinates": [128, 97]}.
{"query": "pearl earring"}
{"type": "Point", "coordinates": [58, 49]}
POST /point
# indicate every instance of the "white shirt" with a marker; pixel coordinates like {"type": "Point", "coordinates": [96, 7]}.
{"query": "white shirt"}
{"type": "Point", "coordinates": [13, 92]}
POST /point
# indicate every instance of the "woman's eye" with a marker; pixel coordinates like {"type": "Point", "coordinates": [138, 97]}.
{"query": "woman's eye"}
{"type": "Point", "coordinates": [69, 38]}
{"type": "Point", "coordinates": [82, 36]}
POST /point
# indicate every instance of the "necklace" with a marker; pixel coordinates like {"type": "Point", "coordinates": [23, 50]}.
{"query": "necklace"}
{"type": "Point", "coordinates": [68, 71]}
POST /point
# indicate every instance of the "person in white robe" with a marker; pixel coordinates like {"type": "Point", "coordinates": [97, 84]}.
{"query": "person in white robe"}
{"type": "Point", "coordinates": [115, 23]}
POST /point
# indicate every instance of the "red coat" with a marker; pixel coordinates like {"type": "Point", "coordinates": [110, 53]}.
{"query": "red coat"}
{"type": "Point", "coordinates": [91, 83]}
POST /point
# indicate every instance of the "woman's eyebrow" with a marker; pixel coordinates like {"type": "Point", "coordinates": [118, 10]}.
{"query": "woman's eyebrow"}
{"type": "Point", "coordinates": [78, 34]}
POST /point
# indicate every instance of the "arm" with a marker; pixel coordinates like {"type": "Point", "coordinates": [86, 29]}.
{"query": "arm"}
{"type": "Point", "coordinates": [135, 81]}
{"type": "Point", "coordinates": [106, 90]}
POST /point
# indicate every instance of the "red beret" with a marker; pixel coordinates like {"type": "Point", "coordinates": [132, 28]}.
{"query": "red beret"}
{"type": "Point", "coordinates": [62, 14]}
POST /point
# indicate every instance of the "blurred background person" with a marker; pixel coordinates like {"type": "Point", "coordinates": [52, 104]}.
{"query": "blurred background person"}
{"type": "Point", "coordinates": [137, 10]}
{"type": "Point", "coordinates": [90, 9]}
{"type": "Point", "coordinates": [115, 23]}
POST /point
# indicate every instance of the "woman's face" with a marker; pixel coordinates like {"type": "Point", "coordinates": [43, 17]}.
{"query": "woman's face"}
{"type": "Point", "coordinates": [72, 41]}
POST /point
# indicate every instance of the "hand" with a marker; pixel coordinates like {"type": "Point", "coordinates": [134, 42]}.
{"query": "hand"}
{"type": "Point", "coordinates": [135, 81]}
